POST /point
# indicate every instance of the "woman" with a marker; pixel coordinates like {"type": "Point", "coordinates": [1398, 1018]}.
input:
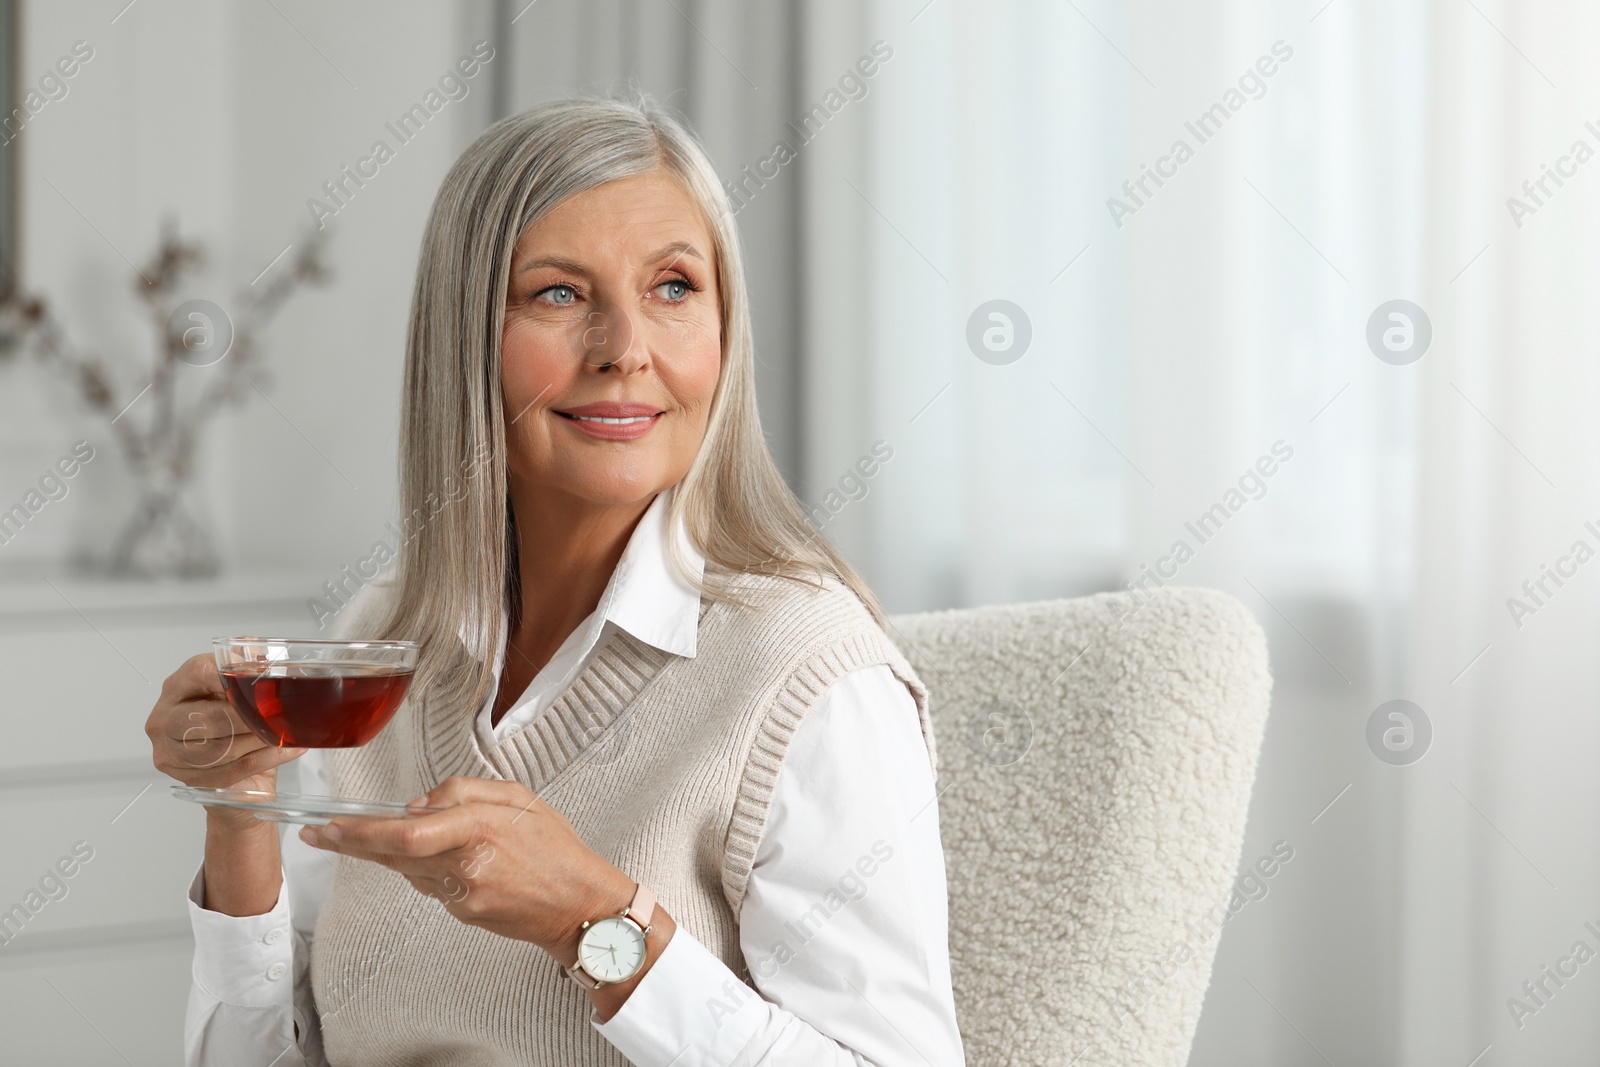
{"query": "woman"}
{"type": "Point", "coordinates": [648, 690]}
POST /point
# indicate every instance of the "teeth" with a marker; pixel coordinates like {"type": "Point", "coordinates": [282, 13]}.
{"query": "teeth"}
{"type": "Point", "coordinates": [613, 422]}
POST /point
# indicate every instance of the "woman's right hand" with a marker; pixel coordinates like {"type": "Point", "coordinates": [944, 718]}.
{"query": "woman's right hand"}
{"type": "Point", "coordinates": [199, 739]}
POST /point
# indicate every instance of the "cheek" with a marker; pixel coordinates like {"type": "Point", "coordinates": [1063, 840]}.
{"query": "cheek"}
{"type": "Point", "coordinates": [698, 373]}
{"type": "Point", "coordinates": [531, 365]}
{"type": "Point", "coordinates": [708, 371]}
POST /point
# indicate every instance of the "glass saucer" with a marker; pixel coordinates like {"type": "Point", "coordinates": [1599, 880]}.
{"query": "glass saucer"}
{"type": "Point", "coordinates": [296, 807]}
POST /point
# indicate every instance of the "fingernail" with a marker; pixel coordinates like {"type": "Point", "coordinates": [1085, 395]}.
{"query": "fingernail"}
{"type": "Point", "coordinates": [308, 834]}
{"type": "Point", "coordinates": [330, 833]}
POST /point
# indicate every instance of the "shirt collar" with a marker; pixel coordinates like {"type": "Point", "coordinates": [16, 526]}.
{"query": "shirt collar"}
{"type": "Point", "coordinates": [645, 595]}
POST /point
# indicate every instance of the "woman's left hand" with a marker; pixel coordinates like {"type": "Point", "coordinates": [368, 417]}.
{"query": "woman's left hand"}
{"type": "Point", "coordinates": [499, 858]}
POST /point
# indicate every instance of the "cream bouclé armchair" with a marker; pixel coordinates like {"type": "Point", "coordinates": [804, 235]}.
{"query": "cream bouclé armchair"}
{"type": "Point", "coordinates": [1095, 762]}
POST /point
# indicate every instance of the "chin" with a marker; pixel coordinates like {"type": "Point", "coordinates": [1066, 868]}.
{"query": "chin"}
{"type": "Point", "coordinates": [617, 486]}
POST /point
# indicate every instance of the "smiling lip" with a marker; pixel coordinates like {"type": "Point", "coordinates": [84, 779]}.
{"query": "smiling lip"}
{"type": "Point", "coordinates": [612, 420]}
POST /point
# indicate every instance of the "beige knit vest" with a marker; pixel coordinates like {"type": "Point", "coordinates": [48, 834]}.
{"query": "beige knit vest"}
{"type": "Point", "coordinates": [665, 765]}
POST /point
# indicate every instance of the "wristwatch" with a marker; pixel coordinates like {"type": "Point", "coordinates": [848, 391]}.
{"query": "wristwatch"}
{"type": "Point", "coordinates": [612, 949]}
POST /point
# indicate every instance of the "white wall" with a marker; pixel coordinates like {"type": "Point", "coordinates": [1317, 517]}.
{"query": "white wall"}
{"type": "Point", "coordinates": [229, 117]}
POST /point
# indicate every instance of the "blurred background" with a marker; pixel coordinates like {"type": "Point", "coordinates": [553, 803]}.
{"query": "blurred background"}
{"type": "Point", "coordinates": [1089, 269]}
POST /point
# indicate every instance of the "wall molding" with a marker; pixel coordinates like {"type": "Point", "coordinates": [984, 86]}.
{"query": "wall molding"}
{"type": "Point", "coordinates": [51, 948]}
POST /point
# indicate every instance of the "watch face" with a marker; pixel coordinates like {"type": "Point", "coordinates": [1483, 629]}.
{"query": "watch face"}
{"type": "Point", "coordinates": [612, 950]}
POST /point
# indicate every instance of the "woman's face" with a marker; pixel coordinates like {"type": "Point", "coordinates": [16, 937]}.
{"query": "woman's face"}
{"type": "Point", "coordinates": [613, 301]}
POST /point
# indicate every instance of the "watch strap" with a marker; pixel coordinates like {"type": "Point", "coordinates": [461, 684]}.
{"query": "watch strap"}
{"type": "Point", "coordinates": [581, 976]}
{"type": "Point", "coordinates": [643, 908]}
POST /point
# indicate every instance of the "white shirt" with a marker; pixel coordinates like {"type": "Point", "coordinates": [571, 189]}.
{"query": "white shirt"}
{"type": "Point", "coordinates": [855, 795]}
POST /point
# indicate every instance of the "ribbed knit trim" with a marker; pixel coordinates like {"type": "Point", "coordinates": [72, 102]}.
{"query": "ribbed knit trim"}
{"type": "Point", "coordinates": [804, 691]}
{"type": "Point", "coordinates": [582, 719]}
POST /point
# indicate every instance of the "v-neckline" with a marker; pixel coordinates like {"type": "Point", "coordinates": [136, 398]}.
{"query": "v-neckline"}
{"type": "Point", "coordinates": [585, 715]}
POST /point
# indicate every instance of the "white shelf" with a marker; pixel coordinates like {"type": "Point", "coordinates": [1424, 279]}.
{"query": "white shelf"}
{"type": "Point", "coordinates": [50, 593]}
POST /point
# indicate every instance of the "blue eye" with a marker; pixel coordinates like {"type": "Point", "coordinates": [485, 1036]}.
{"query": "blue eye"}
{"type": "Point", "coordinates": [683, 289]}
{"type": "Point", "coordinates": [567, 289]}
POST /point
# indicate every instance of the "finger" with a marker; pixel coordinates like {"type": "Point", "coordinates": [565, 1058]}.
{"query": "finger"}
{"type": "Point", "coordinates": [191, 681]}
{"type": "Point", "coordinates": [206, 738]}
{"type": "Point", "coordinates": [197, 676]}
{"type": "Point", "coordinates": [453, 890]}
{"type": "Point", "coordinates": [204, 718]}
{"type": "Point", "coordinates": [222, 775]}
{"type": "Point", "coordinates": [414, 836]}
{"type": "Point", "coordinates": [209, 757]}
{"type": "Point", "coordinates": [419, 870]}
{"type": "Point", "coordinates": [458, 790]}
{"type": "Point", "coordinates": [192, 696]}
{"type": "Point", "coordinates": [427, 873]}
{"type": "Point", "coordinates": [201, 749]}
{"type": "Point", "coordinates": [220, 757]}
{"type": "Point", "coordinates": [424, 885]}
{"type": "Point", "coordinates": [448, 890]}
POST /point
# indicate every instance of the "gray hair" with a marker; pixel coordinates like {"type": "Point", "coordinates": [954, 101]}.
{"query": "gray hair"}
{"type": "Point", "coordinates": [461, 564]}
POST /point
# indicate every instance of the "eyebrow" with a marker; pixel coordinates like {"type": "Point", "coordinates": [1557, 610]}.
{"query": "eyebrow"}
{"type": "Point", "coordinates": [677, 249]}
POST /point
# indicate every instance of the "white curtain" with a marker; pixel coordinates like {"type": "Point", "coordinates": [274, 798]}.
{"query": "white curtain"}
{"type": "Point", "coordinates": [1499, 869]}
{"type": "Point", "coordinates": [963, 181]}
{"type": "Point", "coordinates": [1223, 322]}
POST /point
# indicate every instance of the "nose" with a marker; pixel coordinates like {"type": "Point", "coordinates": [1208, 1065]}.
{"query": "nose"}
{"type": "Point", "coordinates": [607, 339]}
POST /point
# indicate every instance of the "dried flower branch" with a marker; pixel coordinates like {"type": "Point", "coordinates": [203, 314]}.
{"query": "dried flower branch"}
{"type": "Point", "coordinates": [160, 442]}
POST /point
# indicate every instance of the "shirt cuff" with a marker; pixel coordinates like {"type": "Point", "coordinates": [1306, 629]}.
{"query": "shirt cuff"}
{"type": "Point", "coordinates": [242, 960]}
{"type": "Point", "coordinates": [689, 1010]}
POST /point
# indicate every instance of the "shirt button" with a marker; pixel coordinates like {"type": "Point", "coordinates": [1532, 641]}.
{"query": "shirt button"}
{"type": "Point", "coordinates": [275, 972]}
{"type": "Point", "coordinates": [273, 936]}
